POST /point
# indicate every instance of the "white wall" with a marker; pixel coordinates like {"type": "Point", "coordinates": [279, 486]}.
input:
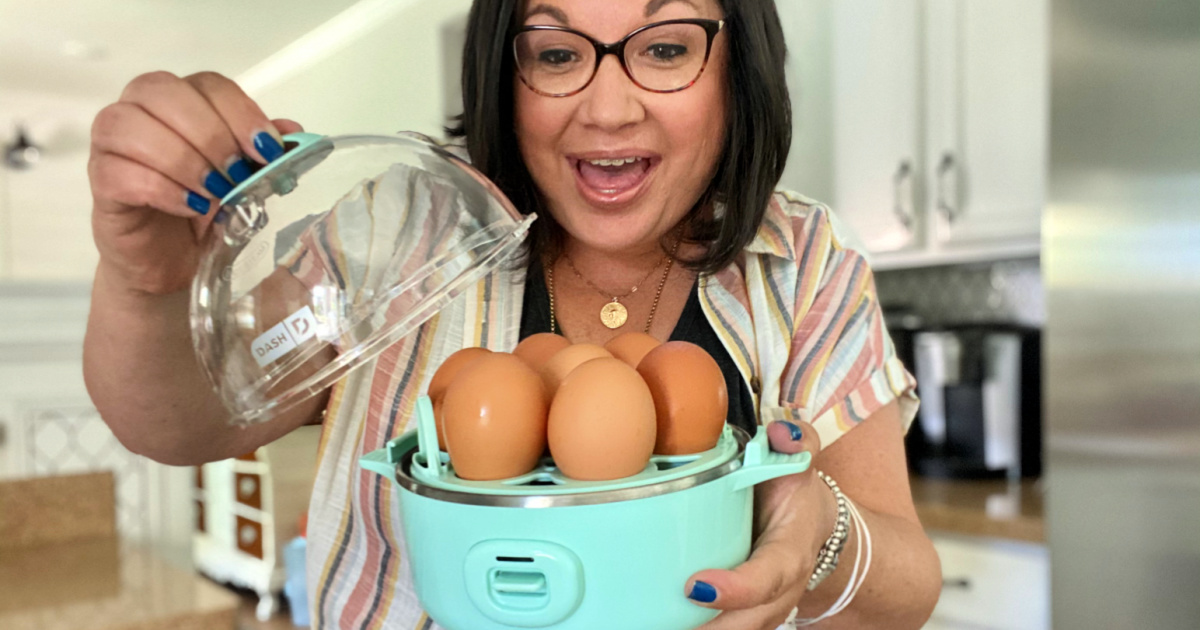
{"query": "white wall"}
{"type": "Point", "coordinates": [806, 25]}
{"type": "Point", "coordinates": [381, 67]}
{"type": "Point", "coordinates": [45, 211]}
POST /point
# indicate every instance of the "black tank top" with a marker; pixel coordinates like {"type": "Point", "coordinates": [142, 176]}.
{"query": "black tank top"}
{"type": "Point", "coordinates": [692, 327]}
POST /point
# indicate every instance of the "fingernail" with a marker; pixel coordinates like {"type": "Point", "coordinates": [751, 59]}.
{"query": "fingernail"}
{"type": "Point", "coordinates": [794, 430]}
{"type": "Point", "coordinates": [239, 170]}
{"type": "Point", "coordinates": [217, 184]}
{"type": "Point", "coordinates": [267, 146]}
{"type": "Point", "coordinates": [703, 592]}
{"type": "Point", "coordinates": [197, 202]}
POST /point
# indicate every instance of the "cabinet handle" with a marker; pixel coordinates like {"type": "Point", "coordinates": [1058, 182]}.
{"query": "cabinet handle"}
{"type": "Point", "coordinates": [958, 584]}
{"type": "Point", "coordinates": [903, 202]}
{"type": "Point", "coordinates": [948, 203]}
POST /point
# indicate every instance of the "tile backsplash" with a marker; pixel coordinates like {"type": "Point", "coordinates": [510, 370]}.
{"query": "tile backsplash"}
{"type": "Point", "coordinates": [1007, 291]}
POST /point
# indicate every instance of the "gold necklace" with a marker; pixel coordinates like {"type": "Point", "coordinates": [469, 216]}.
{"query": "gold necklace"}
{"type": "Point", "coordinates": [614, 315]}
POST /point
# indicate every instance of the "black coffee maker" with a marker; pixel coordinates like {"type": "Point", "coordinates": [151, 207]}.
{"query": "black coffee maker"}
{"type": "Point", "coordinates": [980, 390]}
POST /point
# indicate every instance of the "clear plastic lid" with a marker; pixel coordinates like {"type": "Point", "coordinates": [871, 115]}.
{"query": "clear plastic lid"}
{"type": "Point", "coordinates": [329, 255]}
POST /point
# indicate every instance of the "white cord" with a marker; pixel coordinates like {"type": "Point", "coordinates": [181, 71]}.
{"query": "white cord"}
{"type": "Point", "coordinates": [862, 537]}
{"type": "Point", "coordinates": [867, 564]}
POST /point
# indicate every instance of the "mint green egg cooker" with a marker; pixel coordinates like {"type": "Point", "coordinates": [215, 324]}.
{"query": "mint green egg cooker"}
{"type": "Point", "coordinates": [544, 551]}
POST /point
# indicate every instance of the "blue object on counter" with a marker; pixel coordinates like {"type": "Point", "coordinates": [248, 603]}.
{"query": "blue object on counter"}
{"type": "Point", "coordinates": [295, 587]}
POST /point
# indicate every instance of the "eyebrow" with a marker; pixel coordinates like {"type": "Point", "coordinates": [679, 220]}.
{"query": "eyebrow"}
{"type": "Point", "coordinates": [653, 6]}
{"type": "Point", "coordinates": [556, 14]}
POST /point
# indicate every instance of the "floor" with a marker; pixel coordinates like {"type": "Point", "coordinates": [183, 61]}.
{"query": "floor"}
{"type": "Point", "coordinates": [247, 621]}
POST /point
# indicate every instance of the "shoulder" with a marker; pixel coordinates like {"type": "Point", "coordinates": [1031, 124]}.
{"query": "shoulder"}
{"type": "Point", "coordinates": [804, 230]}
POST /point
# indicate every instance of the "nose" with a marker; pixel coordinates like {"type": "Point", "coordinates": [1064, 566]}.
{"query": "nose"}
{"type": "Point", "coordinates": [612, 101]}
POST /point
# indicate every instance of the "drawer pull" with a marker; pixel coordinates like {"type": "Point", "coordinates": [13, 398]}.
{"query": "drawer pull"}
{"type": "Point", "coordinates": [248, 490]}
{"type": "Point", "coordinates": [247, 535]}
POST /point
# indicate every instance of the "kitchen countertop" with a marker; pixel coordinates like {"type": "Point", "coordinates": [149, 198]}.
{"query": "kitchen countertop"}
{"type": "Point", "coordinates": [102, 584]}
{"type": "Point", "coordinates": [993, 508]}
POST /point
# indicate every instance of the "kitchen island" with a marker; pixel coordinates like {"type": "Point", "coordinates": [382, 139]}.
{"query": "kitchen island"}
{"type": "Point", "coordinates": [990, 536]}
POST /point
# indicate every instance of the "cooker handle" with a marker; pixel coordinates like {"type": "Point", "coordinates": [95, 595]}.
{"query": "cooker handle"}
{"type": "Point", "coordinates": [760, 463]}
{"type": "Point", "coordinates": [383, 461]}
{"type": "Point", "coordinates": [377, 462]}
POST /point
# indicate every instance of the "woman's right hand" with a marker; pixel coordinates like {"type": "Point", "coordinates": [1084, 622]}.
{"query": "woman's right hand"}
{"type": "Point", "coordinates": [162, 156]}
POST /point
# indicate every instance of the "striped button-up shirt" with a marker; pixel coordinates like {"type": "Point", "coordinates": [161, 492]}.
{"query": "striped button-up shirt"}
{"type": "Point", "coordinates": [797, 312]}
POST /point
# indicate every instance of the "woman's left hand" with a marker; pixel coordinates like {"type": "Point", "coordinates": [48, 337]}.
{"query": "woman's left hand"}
{"type": "Point", "coordinates": [794, 515]}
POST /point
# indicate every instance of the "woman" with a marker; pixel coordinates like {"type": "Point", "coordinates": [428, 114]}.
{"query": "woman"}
{"type": "Point", "coordinates": [652, 168]}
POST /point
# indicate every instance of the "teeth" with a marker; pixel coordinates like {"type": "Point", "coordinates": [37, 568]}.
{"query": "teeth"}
{"type": "Point", "coordinates": [616, 162]}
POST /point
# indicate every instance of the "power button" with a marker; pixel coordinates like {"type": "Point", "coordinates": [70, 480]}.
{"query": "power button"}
{"type": "Point", "coordinates": [524, 583]}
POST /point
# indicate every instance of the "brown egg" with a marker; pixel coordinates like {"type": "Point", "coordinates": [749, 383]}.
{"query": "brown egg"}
{"type": "Point", "coordinates": [567, 359]}
{"type": "Point", "coordinates": [442, 378]}
{"type": "Point", "coordinates": [630, 347]}
{"type": "Point", "coordinates": [690, 399]}
{"type": "Point", "coordinates": [602, 422]}
{"type": "Point", "coordinates": [537, 349]}
{"type": "Point", "coordinates": [495, 418]}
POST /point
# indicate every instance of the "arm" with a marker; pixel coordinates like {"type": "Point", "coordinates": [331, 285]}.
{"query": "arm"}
{"type": "Point", "coordinates": [161, 157]}
{"type": "Point", "coordinates": [905, 577]}
{"type": "Point", "coordinates": [796, 515]}
{"type": "Point", "coordinates": [837, 370]}
{"type": "Point", "coordinates": [141, 372]}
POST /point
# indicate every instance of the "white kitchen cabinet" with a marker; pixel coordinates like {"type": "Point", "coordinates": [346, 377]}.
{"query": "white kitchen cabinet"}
{"type": "Point", "coordinates": [940, 112]}
{"type": "Point", "coordinates": [248, 508]}
{"type": "Point", "coordinates": [987, 129]}
{"type": "Point", "coordinates": [993, 584]}
{"type": "Point", "coordinates": [876, 121]}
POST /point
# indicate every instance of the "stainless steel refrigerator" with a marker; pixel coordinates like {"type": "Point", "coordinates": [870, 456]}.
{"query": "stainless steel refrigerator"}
{"type": "Point", "coordinates": [1121, 266]}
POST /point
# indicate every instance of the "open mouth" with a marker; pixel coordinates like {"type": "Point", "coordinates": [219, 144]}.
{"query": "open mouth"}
{"type": "Point", "coordinates": [612, 177]}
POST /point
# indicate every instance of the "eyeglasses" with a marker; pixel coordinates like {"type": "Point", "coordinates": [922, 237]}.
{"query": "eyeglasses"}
{"type": "Point", "coordinates": [661, 57]}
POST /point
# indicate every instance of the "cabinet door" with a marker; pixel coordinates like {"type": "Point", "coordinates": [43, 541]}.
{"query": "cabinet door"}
{"type": "Point", "coordinates": [986, 119]}
{"type": "Point", "coordinates": [876, 121]}
{"type": "Point", "coordinates": [1003, 585]}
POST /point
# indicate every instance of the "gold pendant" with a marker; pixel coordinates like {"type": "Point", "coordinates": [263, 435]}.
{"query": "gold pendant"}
{"type": "Point", "coordinates": [614, 314]}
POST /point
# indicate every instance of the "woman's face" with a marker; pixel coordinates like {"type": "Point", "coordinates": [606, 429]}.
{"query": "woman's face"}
{"type": "Point", "coordinates": [670, 142]}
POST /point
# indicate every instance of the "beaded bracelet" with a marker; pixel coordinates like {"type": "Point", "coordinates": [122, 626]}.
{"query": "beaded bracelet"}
{"type": "Point", "coordinates": [827, 558]}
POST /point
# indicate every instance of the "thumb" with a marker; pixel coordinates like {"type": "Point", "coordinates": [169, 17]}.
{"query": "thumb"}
{"type": "Point", "coordinates": [773, 568]}
{"type": "Point", "coordinates": [793, 436]}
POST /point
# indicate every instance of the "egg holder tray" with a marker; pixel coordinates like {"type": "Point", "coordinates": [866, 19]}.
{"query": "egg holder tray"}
{"type": "Point", "coordinates": [432, 466]}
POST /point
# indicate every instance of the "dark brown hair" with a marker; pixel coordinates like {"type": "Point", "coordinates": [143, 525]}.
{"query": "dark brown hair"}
{"type": "Point", "coordinates": [758, 132]}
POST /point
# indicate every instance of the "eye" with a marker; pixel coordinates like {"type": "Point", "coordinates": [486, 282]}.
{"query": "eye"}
{"type": "Point", "coordinates": [556, 57]}
{"type": "Point", "coordinates": [666, 52]}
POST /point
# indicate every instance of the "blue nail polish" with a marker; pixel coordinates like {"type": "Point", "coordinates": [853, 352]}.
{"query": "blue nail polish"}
{"type": "Point", "coordinates": [794, 430]}
{"type": "Point", "coordinates": [217, 185]}
{"type": "Point", "coordinates": [197, 202]}
{"type": "Point", "coordinates": [267, 146]}
{"type": "Point", "coordinates": [240, 170]}
{"type": "Point", "coordinates": [703, 592]}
